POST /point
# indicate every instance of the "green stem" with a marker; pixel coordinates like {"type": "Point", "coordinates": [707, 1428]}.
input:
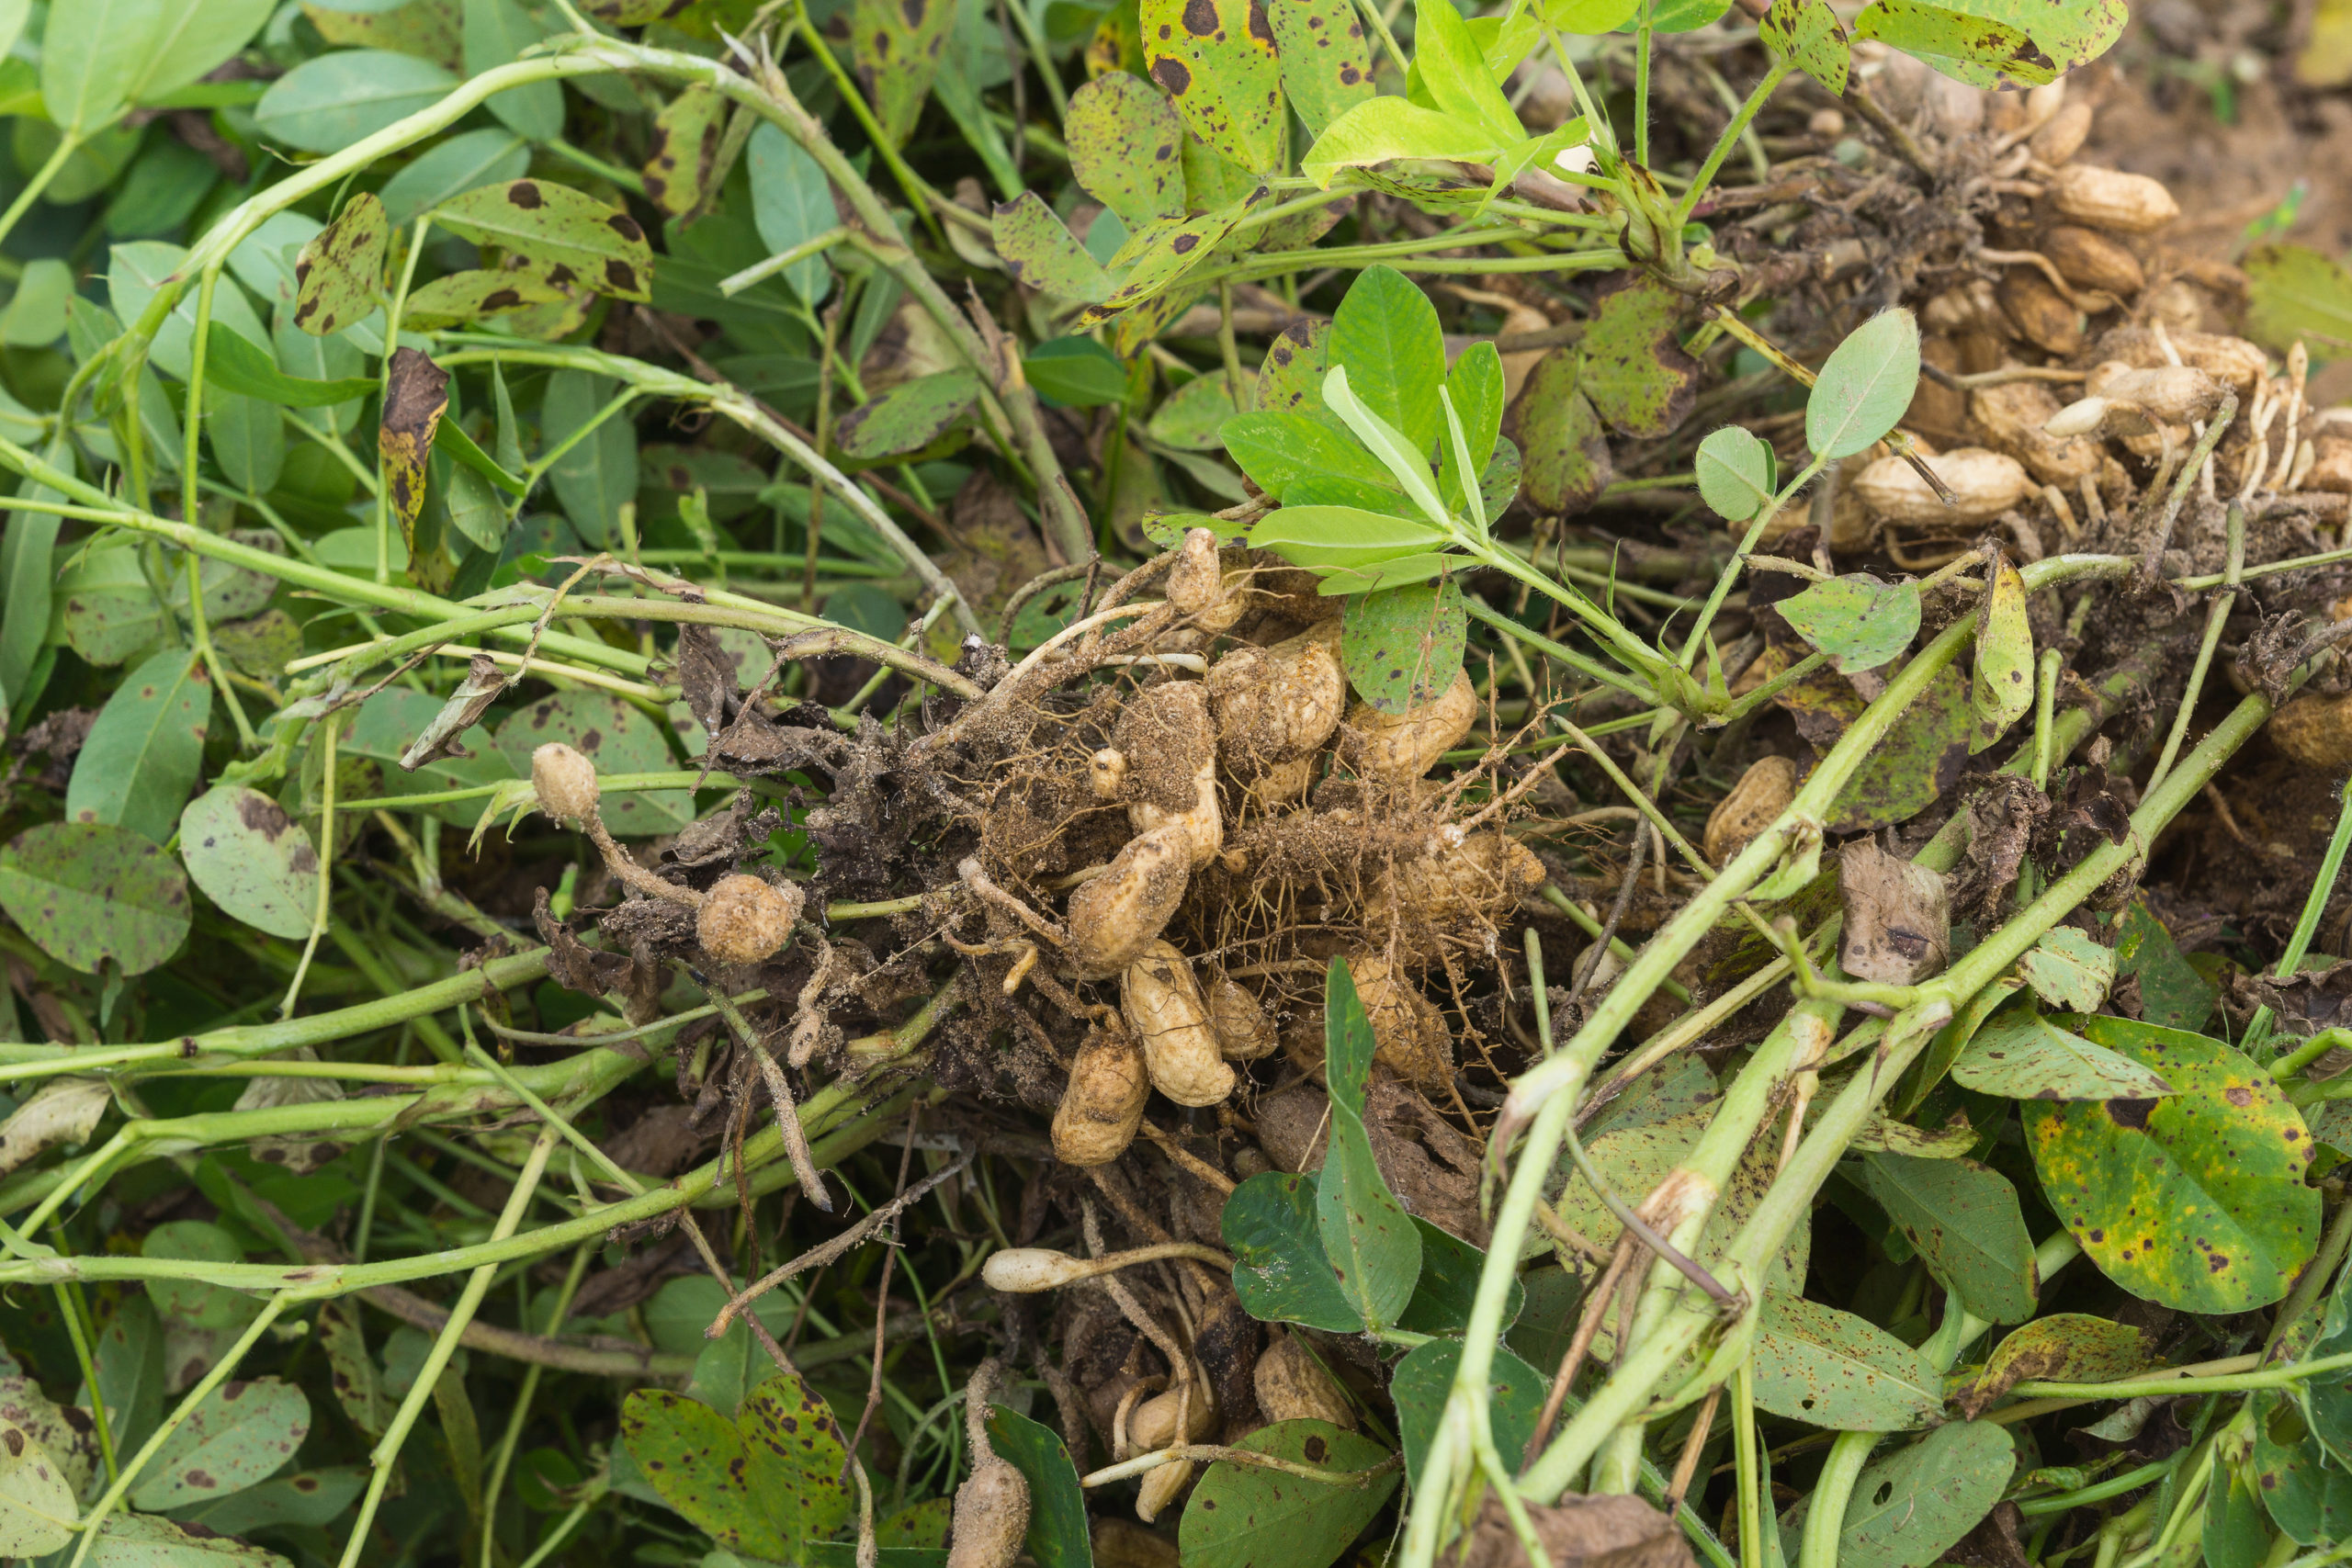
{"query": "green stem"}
{"type": "Point", "coordinates": [66, 142]}
{"type": "Point", "coordinates": [1732, 133]}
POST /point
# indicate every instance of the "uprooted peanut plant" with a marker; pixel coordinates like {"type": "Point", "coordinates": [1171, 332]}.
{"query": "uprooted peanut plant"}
{"type": "Point", "coordinates": [1196, 782]}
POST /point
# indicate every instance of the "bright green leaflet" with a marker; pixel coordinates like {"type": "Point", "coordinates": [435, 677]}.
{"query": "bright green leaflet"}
{"type": "Point", "coordinates": [1737, 475]}
{"type": "Point", "coordinates": [90, 53]}
{"type": "Point", "coordinates": [1279, 1270]}
{"type": "Point", "coordinates": [89, 893]}
{"type": "Point", "coordinates": [248, 439]}
{"type": "Point", "coordinates": [2235, 1530]}
{"type": "Point", "coordinates": [1385, 335]}
{"type": "Point", "coordinates": [599, 472]}
{"type": "Point", "coordinates": [1239, 1513]}
{"type": "Point", "coordinates": [1865, 387]}
{"type": "Point", "coordinates": [240, 1435]}
{"type": "Point", "coordinates": [250, 859]}
{"type": "Point", "coordinates": [326, 104]}
{"type": "Point", "coordinates": [496, 31]}
{"type": "Point", "coordinates": [1367, 1236]}
{"type": "Point", "coordinates": [1403, 647]}
{"type": "Point", "coordinates": [1443, 1295]}
{"type": "Point", "coordinates": [1279, 448]}
{"type": "Point", "coordinates": [2023, 1056]}
{"type": "Point", "coordinates": [1832, 1369]}
{"type": "Point", "coordinates": [1963, 1219]}
{"type": "Point", "coordinates": [2197, 1201]}
{"type": "Point", "coordinates": [1910, 1507]}
{"type": "Point", "coordinates": [2002, 691]}
{"type": "Point", "coordinates": [1058, 1531]}
{"type": "Point", "coordinates": [145, 749]}
{"type": "Point", "coordinates": [1424, 1378]}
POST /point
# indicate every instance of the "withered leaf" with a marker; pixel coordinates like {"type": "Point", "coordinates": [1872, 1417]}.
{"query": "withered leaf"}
{"type": "Point", "coordinates": [1898, 917]}
{"type": "Point", "coordinates": [464, 709]}
{"type": "Point", "coordinates": [415, 396]}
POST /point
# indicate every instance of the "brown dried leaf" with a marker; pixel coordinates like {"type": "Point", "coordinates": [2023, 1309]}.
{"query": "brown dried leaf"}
{"type": "Point", "coordinates": [1582, 1532]}
{"type": "Point", "coordinates": [416, 395]}
{"type": "Point", "coordinates": [1898, 917]}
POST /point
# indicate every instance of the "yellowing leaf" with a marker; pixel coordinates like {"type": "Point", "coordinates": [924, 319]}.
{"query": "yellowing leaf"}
{"type": "Point", "coordinates": [2002, 689]}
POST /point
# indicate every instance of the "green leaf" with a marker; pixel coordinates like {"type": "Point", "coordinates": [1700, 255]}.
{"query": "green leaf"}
{"type": "Point", "coordinates": [1385, 335]}
{"type": "Point", "coordinates": [896, 45]}
{"type": "Point", "coordinates": [2235, 1530]}
{"type": "Point", "coordinates": [1831, 1370]}
{"type": "Point", "coordinates": [1633, 1157]}
{"type": "Point", "coordinates": [1075, 372]}
{"type": "Point", "coordinates": [762, 1484]}
{"type": "Point", "coordinates": [909, 416]}
{"type": "Point", "coordinates": [1738, 476]}
{"type": "Point", "coordinates": [240, 1435]}
{"type": "Point", "coordinates": [1333, 539]}
{"type": "Point", "coordinates": [1423, 1381]}
{"type": "Point", "coordinates": [2296, 293]}
{"type": "Point", "coordinates": [1279, 450]}
{"type": "Point", "coordinates": [1475, 387]}
{"type": "Point", "coordinates": [1998, 43]}
{"type": "Point", "coordinates": [1922, 756]}
{"type": "Point", "coordinates": [2002, 691]}
{"type": "Point", "coordinates": [248, 440]}
{"type": "Point", "coordinates": [1057, 1534]}
{"type": "Point", "coordinates": [1860, 622]}
{"type": "Point", "coordinates": [1407, 465]}
{"type": "Point", "coordinates": [599, 472]}
{"type": "Point", "coordinates": [1216, 60]}
{"type": "Point", "coordinates": [315, 1497]}
{"type": "Point", "coordinates": [142, 1541]}
{"type": "Point", "coordinates": [1326, 64]}
{"type": "Point", "coordinates": [1635, 371]}
{"type": "Point", "coordinates": [90, 53]}
{"type": "Point", "coordinates": [1909, 1508]}
{"type": "Point", "coordinates": [2172, 993]}
{"type": "Point", "coordinates": [35, 317]}
{"type": "Point", "coordinates": [1590, 18]}
{"type": "Point", "coordinates": [196, 1303]}
{"type": "Point", "coordinates": [1865, 388]}
{"type": "Point", "coordinates": [2309, 1497]}
{"type": "Point", "coordinates": [145, 749]}
{"type": "Point", "coordinates": [1382, 131]}
{"type": "Point", "coordinates": [2069, 969]}
{"type": "Point", "coordinates": [617, 738]}
{"type": "Point", "coordinates": [462, 297]}
{"type": "Point", "coordinates": [89, 892]}
{"type": "Point", "coordinates": [129, 1363]}
{"type": "Point", "coordinates": [2066, 1346]}
{"type": "Point", "coordinates": [799, 1459]}
{"type": "Point", "coordinates": [342, 268]}
{"type": "Point", "coordinates": [1369, 1238]}
{"type": "Point", "coordinates": [792, 203]}
{"type": "Point", "coordinates": [137, 270]}
{"type": "Point", "coordinates": [2023, 1056]}
{"type": "Point", "coordinates": [1452, 69]}
{"type": "Point", "coordinates": [565, 236]}
{"type": "Point", "coordinates": [235, 365]}
{"type": "Point", "coordinates": [497, 31]}
{"type": "Point", "coordinates": [386, 725]}
{"type": "Point", "coordinates": [27, 546]}
{"type": "Point", "coordinates": [1963, 1219]}
{"type": "Point", "coordinates": [1241, 1516]}
{"type": "Point", "coordinates": [1291, 376]}
{"type": "Point", "coordinates": [250, 859]}
{"type": "Point", "coordinates": [37, 1511]}
{"type": "Point", "coordinates": [1448, 1285]}
{"type": "Point", "coordinates": [2196, 1201]}
{"type": "Point", "coordinates": [489, 156]}
{"type": "Point", "coordinates": [1808, 33]}
{"type": "Point", "coordinates": [326, 104]}
{"type": "Point", "coordinates": [1402, 646]}
{"type": "Point", "coordinates": [1124, 137]}
{"type": "Point", "coordinates": [1279, 1270]}
{"type": "Point", "coordinates": [683, 160]}
{"type": "Point", "coordinates": [450, 441]}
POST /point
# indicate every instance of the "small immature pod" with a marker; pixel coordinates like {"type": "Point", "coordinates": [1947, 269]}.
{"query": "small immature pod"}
{"type": "Point", "coordinates": [2080, 417]}
{"type": "Point", "coordinates": [1161, 1487]}
{"type": "Point", "coordinates": [565, 782]}
{"type": "Point", "coordinates": [1292, 1386]}
{"type": "Point", "coordinates": [1107, 772]}
{"type": "Point", "coordinates": [1104, 1105]}
{"type": "Point", "coordinates": [2174, 393]}
{"type": "Point", "coordinates": [745, 920]}
{"type": "Point", "coordinates": [1163, 1007]}
{"type": "Point", "coordinates": [991, 1516]}
{"type": "Point", "coordinates": [1400, 748]}
{"type": "Point", "coordinates": [1196, 580]}
{"type": "Point", "coordinates": [1023, 1271]}
{"type": "Point", "coordinates": [1113, 917]}
{"type": "Point", "coordinates": [1243, 1032]}
{"type": "Point", "coordinates": [1153, 1424]}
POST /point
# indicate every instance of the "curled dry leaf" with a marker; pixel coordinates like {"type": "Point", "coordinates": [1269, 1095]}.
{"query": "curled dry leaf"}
{"type": "Point", "coordinates": [63, 1110]}
{"type": "Point", "coordinates": [1898, 917]}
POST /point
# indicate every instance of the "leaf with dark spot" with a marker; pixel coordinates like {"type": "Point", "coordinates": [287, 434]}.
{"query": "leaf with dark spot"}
{"type": "Point", "coordinates": [896, 45]}
{"type": "Point", "coordinates": [338, 273]}
{"type": "Point", "coordinates": [684, 151]}
{"type": "Point", "coordinates": [1635, 371]}
{"type": "Point", "coordinates": [416, 395]}
{"type": "Point", "coordinates": [539, 226]}
{"type": "Point", "coordinates": [1217, 60]}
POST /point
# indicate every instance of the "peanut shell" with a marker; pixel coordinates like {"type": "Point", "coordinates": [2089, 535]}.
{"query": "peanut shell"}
{"type": "Point", "coordinates": [1400, 748]}
{"type": "Point", "coordinates": [1104, 1105]}
{"type": "Point", "coordinates": [1115, 917]}
{"type": "Point", "coordinates": [1754, 804]}
{"type": "Point", "coordinates": [2111, 200]}
{"type": "Point", "coordinates": [1163, 1008]}
{"type": "Point", "coordinates": [1986, 483]}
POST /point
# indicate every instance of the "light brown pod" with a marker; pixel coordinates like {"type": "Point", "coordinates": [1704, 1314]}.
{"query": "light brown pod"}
{"type": "Point", "coordinates": [1280, 785]}
{"type": "Point", "coordinates": [1479, 876]}
{"type": "Point", "coordinates": [2089, 259]}
{"type": "Point", "coordinates": [1196, 580]}
{"type": "Point", "coordinates": [1754, 804]}
{"type": "Point", "coordinates": [2331, 461]}
{"type": "Point", "coordinates": [1115, 917]}
{"type": "Point", "coordinates": [1970, 307]}
{"type": "Point", "coordinates": [2174, 393]}
{"type": "Point", "coordinates": [1244, 1033]}
{"type": "Point", "coordinates": [1161, 1488]}
{"type": "Point", "coordinates": [992, 1516]}
{"type": "Point", "coordinates": [1276, 704]}
{"type": "Point", "coordinates": [2111, 200]}
{"type": "Point", "coordinates": [1402, 747]}
{"type": "Point", "coordinates": [1291, 1386]}
{"type": "Point", "coordinates": [1202, 823]}
{"type": "Point", "coordinates": [1106, 772]}
{"type": "Point", "coordinates": [2061, 136]}
{"type": "Point", "coordinates": [1164, 1010]}
{"type": "Point", "coordinates": [1104, 1105]}
{"type": "Point", "coordinates": [2010, 418]}
{"type": "Point", "coordinates": [1166, 737]}
{"type": "Point", "coordinates": [2226, 358]}
{"type": "Point", "coordinates": [2044, 317]}
{"type": "Point", "coordinates": [1409, 1034]}
{"type": "Point", "coordinates": [1152, 1427]}
{"type": "Point", "coordinates": [2314, 729]}
{"type": "Point", "coordinates": [1986, 483]}
{"type": "Point", "coordinates": [565, 782]}
{"type": "Point", "coordinates": [745, 920]}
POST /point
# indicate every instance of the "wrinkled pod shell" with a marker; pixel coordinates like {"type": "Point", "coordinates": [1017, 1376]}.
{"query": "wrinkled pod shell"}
{"type": "Point", "coordinates": [1401, 747]}
{"type": "Point", "coordinates": [1162, 1006]}
{"type": "Point", "coordinates": [1410, 1034]}
{"type": "Point", "coordinates": [1104, 1105]}
{"type": "Point", "coordinates": [1273, 704]}
{"type": "Point", "coordinates": [1167, 746]}
{"type": "Point", "coordinates": [1292, 1386]}
{"type": "Point", "coordinates": [744, 919]}
{"type": "Point", "coordinates": [1243, 1032]}
{"type": "Point", "coordinates": [1116, 916]}
{"type": "Point", "coordinates": [1754, 804]}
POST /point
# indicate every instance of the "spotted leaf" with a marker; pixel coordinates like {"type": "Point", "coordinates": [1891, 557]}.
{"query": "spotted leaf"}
{"type": "Point", "coordinates": [1403, 647]}
{"type": "Point", "coordinates": [2196, 1201]}
{"type": "Point", "coordinates": [897, 44]}
{"type": "Point", "coordinates": [239, 1436]}
{"type": "Point", "coordinates": [687, 136]}
{"type": "Point", "coordinates": [2002, 689]}
{"type": "Point", "coordinates": [1216, 59]}
{"type": "Point", "coordinates": [471, 295]}
{"type": "Point", "coordinates": [1158, 255]}
{"type": "Point", "coordinates": [1636, 372]}
{"type": "Point", "coordinates": [565, 237]}
{"type": "Point", "coordinates": [1043, 254]}
{"type": "Point", "coordinates": [1126, 148]}
{"type": "Point", "coordinates": [416, 395]}
{"type": "Point", "coordinates": [339, 271]}
{"type": "Point", "coordinates": [1326, 65]}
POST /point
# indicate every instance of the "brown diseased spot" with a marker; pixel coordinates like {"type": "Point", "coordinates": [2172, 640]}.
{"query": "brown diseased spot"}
{"type": "Point", "coordinates": [620, 277]}
{"type": "Point", "coordinates": [1171, 74]}
{"type": "Point", "coordinates": [201, 1478]}
{"type": "Point", "coordinates": [525, 194]}
{"type": "Point", "coordinates": [2131, 1113]}
{"type": "Point", "coordinates": [2238, 1094]}
{"type": "Point", "coordinates": [14, 1439]}
{"type": "Point", "coordinates": [1184, 244]}
{"type": "Point", "coordinates": [912, 10]}
{"type": "Point", "coordinates": [501, 300]}
{"type": "Point", "coordinates": [1200, 17]}
{"type": "Point", "coordinates": [1316, 1449]}
{"type": "Point", "coordinates": [1260, 27]}
{"type": "Point", "coordinates": [621, 223]}
{"type": "Point", "coordinates": [1350, 77]}
{"type": "Point", "coordinates": [560, 276]}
